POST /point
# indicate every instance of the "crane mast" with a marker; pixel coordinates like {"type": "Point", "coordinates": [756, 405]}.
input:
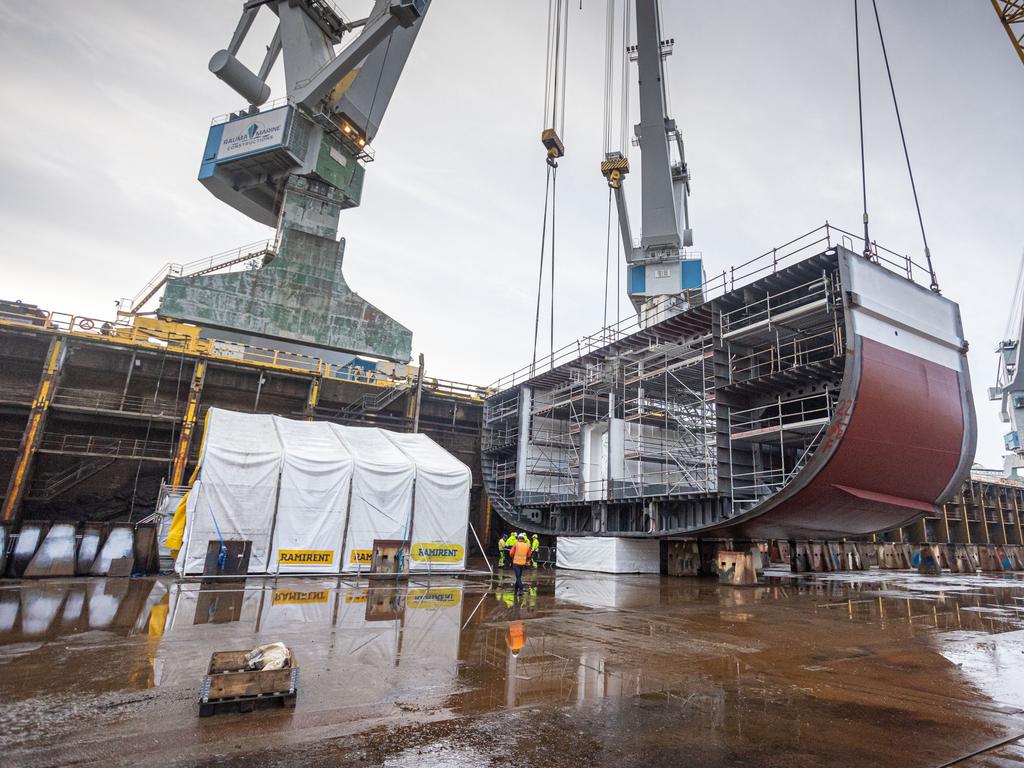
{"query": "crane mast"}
{"type": "Point", "coordinates": [1009, 388]}
{"type": "Point", "coordinates": [294, 165]}
{"type": "Point", "coordinates": [662, 279]}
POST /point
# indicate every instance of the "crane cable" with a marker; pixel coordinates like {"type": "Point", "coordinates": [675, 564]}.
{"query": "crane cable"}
{"type": "Point", "coordinates": [906, 154]}
{"type": "Point", "coordinates": [903, 139]}
{"type": "Point", "coordinates": [554, 96]}
{"type": "Point", "coordinates": [554, 190]}
{"type": "Point", "coordinates": [860, 118]}
{"type": "Point", "coordinates": [540, 271]}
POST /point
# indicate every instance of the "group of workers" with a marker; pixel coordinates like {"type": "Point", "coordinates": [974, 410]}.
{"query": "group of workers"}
{"type": "Point", "coordinates": [520, 552]}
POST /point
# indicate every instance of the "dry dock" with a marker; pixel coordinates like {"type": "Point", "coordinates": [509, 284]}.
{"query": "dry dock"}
{"type": "Point", "coordinates": [865, 669]}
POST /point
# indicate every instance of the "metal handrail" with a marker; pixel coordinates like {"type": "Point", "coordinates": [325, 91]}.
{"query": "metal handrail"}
{"type": "Point", "coordinates": [767, 416]}
{"type": "Point", "coordinates": [217, 261]}
{"type": "Point", "coordinates": [121, 331]}
{"type": "Point", "coordinates": [830, 340]}
{"type": "Point", "coordinates": [113, 402]}
{"type": "Point", "coordinates": [113, 447]}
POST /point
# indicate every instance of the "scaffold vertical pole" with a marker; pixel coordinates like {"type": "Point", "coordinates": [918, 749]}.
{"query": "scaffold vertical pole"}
{"type": "Point", "coordinates": [188, 423]}
{"type": "Point", "coordinates": [18, 483]}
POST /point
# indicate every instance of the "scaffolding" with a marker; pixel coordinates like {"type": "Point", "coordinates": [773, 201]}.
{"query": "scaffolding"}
{"type": "Point", "coordinates": [668, 406]}
{"type": "Point", "coordinates": [684, 424]}
{"type": "Point", "coordinates": [785, 351]}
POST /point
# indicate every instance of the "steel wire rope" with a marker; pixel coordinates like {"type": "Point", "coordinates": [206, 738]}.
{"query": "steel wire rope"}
{"type": "Point", "coordinates": [607, 260]}
{"type": "Point", "coordinates": [860, 120]}
{"type": "Point", "coordinates": [624, 141]}
{"type": "Point", "coordinates": [540, 272]}
{"type": "Point", "coordinates": [1013, 321]}
{"type": "Point", "coordinates": [609, 57]}
{"type": "Point", "coordinates": [554, 197]}
{"type": "Point", "coordinates": [906, 153]}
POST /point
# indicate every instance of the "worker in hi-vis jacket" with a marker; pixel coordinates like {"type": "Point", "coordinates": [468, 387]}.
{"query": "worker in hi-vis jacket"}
{"type": "Point", "coordinates": [520, 554]}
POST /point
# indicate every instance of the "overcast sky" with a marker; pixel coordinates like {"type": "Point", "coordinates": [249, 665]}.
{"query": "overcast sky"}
{"type": "Point", "coordinates": [106, 107]}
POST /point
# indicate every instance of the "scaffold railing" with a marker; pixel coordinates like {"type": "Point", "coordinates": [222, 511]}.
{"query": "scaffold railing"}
{"type": "Point", "coordinates": [821, 238]}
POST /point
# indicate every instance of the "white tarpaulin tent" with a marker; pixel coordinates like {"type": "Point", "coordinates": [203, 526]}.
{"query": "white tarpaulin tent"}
{"type": "Point", "coordinates": [440, 522]}
{"type": "Point", "coordinates": [608, 554]}
{"type": "Point", "coordinates": [381, 498]}
{"type": "Point", "coordinates": [312, 504]}
{"type": "Point", "coordinates": [312, 497]}
{"type": "Point", "coordinates": [235, 494]}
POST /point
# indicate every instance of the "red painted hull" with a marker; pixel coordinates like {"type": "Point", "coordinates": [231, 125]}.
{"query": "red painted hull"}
{"type": "Point", "coordinates": [896, 448]}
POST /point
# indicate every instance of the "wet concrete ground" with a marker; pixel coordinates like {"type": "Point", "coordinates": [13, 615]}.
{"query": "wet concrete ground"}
{"type": "Point", "coordinates": [866, 669]}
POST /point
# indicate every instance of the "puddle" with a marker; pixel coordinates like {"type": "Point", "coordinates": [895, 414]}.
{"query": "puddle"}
{"type": "Point", "coordinates": [941, 656]}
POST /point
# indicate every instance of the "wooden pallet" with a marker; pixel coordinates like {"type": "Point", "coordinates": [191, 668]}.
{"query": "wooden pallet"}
{"type": "Point", "coordinates": [228, 683]}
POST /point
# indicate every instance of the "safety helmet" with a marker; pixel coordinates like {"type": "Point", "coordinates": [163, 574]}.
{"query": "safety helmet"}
{"type": "Point", "coordinates": [522, 537]}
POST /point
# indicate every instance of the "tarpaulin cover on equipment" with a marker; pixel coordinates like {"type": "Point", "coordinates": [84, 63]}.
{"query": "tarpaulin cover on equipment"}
{"type": "Point", "coordinates": [235, 494]}
{"type": "Point", "coordinates": [303, 491]}
{"type": "Point", "coordinates": [312, 504]}
{"type": "Point", "coordinates": [608, 554]}
{"type": "Point", "coordinates": [441, 520]}
{"type": "Point", "coordinates": [381, 503]}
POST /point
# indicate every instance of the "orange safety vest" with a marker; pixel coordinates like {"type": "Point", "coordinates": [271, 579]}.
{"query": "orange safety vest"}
{"type": "Point", "coordinates": [520, 553]}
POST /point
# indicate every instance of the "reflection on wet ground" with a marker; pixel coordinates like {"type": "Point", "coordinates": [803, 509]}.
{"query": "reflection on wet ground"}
{"type": "Point", "coordinates": [877, 668]}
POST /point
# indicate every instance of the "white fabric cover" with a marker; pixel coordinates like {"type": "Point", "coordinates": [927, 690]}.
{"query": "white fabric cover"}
{"type": "Point", "coordinates": [312, 504]}
{"type": "Point", "coordinates": [236, 491]}
{"type": "Point", "coordinates": [440, 521]}
{"type": "Point", "coordinates": [381, 498]}
{"type": "Point", "coordinates": [608, 554]}
{"type": "Point", "coordinates": [57, 548]}
{"type": "Point", "coordinates": [120, 543]}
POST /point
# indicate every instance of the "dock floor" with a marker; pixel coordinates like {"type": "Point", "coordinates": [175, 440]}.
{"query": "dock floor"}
{"type": "Point", "coordinates": [877, 668]}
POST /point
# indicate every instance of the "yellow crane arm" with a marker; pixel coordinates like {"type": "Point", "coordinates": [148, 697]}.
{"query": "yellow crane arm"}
{"type": "Point", "coordinates": [1011, 13]}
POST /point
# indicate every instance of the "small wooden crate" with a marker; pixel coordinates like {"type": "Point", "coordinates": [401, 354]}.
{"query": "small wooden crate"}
{"type": "Point", "coordinates": [228, 682]}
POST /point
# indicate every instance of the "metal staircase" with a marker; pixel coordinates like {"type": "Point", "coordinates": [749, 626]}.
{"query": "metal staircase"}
{"type": "Point", "coordinates": [260, 250]}
{"type": "Point", "coordinates": [375, 401]}
{"type": "Point", "coordinates": [49, 487]}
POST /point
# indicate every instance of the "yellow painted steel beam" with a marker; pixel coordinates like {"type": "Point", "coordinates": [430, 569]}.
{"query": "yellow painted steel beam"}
{"type": "Point", "coordinates": [180, 339]}
{"type": "Point", "coordinates": [313, 398]}
{"type": "Point", "coordinates": [1011, 14]}
{"type": "Point", "coordinates": [188, 423]}
{"type": "Point", "coordinates": [30, 439]}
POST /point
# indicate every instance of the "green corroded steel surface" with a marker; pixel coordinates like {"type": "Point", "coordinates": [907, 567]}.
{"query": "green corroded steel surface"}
{"type": "Point", "coordinates": [299, 295]}
{"type": "Point", "coordinates": [336, 166]}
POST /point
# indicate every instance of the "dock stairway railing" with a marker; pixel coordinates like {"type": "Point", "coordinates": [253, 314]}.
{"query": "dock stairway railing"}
{"type": "Point", "coordinates": [263, 249]}
{"type": "Point", "coordinates": [48, 487]}
{"type": "Point", "coordinates": [376, 401]}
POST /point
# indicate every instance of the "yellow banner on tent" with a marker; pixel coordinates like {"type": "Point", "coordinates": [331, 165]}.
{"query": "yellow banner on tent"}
{"type": "Point", "coordinates": [361, 556]}
{"type": "Point", "coordinates": [306, 557]}
{"type": "Point", "coordinates": [437, 552]}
